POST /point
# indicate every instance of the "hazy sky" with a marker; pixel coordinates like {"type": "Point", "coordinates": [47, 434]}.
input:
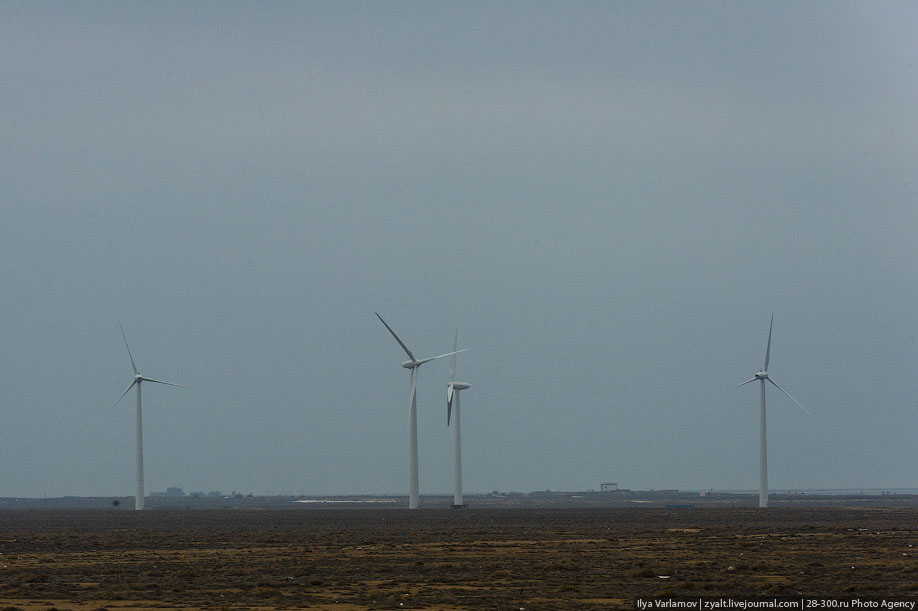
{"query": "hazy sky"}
{"type": "Point", "coordinates": [607, 199]}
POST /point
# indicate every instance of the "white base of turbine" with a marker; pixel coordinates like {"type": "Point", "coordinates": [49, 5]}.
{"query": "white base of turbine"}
{"type": "Point", "coordinates": [414, 495]}
{"type": "Point", "coordinates": [138, 497]}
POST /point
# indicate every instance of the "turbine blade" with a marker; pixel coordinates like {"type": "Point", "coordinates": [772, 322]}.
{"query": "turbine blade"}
{"type": "Point", "coordinates": [130, 386]}
{"type": "Point", "coordinates": [161, 382]}
{"type": "Point", "coordinates": [768, 349]}
{"type": "Point", "coordinates": [789, 397]}
{"type": "Point", "coordinates": [133, 366]}
{"type": "Point", "coordinates": [738, 385]}
{"type": "Point", "coordinates": [452, 363]}
{"type": "Point", "coordinates": [449, 402]}
{"type": "Point", "coordinates": [439, 356]}
{"type": "Point", "coordinates": [412, 393]}
{"type": "Point", "coordinates": [397, 338]}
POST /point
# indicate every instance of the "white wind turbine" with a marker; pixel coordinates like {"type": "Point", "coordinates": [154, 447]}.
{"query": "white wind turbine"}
{"type": "Point", "coordinates": [413, 364]}
{"type": "Point", "coordinates": [762, 376]}
{"type": "Point", "coordinates": [138, 499]}
{"type": "Point", "coordinates": [452, 390]}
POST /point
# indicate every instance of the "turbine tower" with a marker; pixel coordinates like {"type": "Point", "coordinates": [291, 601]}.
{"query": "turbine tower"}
{"type": "Point", "coordinates": [138, 499]}
{"type": "Point", "coordinates": [762, 376]}
{"type": "Point", "coordinates": [452, 390]}
{"type": "Point", "coordinates": [413, 364]}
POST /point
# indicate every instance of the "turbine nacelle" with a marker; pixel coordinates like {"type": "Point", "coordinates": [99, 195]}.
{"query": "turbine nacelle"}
{"type": "Point", "coordinates": [459, 385]}
{"type": "Point", "coordinates": [411, 364]}
{"type": "Point", "coordinates": [762, 375]}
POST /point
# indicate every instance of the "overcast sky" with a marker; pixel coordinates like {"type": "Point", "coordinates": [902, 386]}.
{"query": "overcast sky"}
{"type": "Point", "coordinates": [608, 200]}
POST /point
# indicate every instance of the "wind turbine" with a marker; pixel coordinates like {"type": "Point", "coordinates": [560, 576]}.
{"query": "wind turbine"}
{"type": "Point", "coordinates": [452, 390]}
{"type": "Point", "coordinates": [138, 499]}
{"type": "Point", "coordinates": [413, 364]}
{"type": "Point", "coordinates": [762, 376]}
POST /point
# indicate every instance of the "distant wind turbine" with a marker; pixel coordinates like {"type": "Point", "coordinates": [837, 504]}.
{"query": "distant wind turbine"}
{"type": "Point", "coordinates": [452, 390]}
{"type": "Point", "coordinates": [413, 364]}
{"type": "Point", "coordinates": [762, 376]}
{"type": "Point", "coordinates": [138, 499]}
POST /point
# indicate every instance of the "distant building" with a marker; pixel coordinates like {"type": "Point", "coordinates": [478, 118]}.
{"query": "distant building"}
{"type": "Point", "coordinates": [174, 491]}
{"type": "Point", "coordinates": [608, 487]}
{"type": "Point", "coordinates": [214, 493]}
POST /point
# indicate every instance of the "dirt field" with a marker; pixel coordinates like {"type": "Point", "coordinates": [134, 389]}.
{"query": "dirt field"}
{"type": "Point", "coordinates": [529, 559]}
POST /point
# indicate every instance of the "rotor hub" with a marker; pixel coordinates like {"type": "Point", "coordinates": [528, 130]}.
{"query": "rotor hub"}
{"type": "Point", "coordinates": [762, 375]}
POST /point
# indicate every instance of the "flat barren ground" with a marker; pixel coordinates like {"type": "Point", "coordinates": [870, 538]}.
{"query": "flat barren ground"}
{"type": "Point", "coordinates": [448, 559]}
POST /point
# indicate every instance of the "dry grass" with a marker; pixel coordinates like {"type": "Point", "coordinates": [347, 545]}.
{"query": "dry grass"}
{"type": "Point", "coordinates": [440, 559]}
